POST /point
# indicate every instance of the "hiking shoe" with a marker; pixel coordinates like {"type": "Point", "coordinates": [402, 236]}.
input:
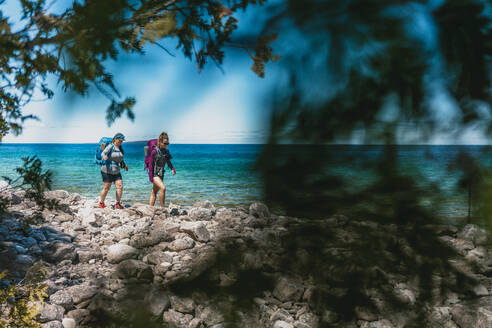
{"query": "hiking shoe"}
{"type": "Point", "coordinates": [118, 206]}
{"type": "Point", "coordinates": [101, 205]}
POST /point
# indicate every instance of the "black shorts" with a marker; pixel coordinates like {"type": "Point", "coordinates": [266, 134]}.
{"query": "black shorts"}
{"type": "Point", "coordinates": [111, 177]}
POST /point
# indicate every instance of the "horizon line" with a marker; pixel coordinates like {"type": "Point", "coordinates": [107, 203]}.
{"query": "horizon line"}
{"type": "Point", "coordinates": [252, 143]}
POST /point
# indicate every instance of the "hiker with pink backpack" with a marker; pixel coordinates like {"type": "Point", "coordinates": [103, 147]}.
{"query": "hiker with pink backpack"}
{"type": "Point", "coordinates": [156, 157]}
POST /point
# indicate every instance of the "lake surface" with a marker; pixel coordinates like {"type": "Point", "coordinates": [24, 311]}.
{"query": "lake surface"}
{"type": "Point", "coordinates": [224, 174]}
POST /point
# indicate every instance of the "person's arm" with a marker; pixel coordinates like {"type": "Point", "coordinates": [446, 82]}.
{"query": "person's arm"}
{"type": "Point", "coordinates": [105, 152]}
{"type": "Point", "coordinates": [169, 164]}
{"type": "Point", "coordinates": [151, 164]}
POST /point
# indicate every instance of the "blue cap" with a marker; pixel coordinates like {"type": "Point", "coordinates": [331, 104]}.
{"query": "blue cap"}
{"type": "Point", "coordinates": [119, 136]}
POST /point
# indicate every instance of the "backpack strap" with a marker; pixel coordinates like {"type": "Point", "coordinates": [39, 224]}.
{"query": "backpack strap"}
{"type": "Point", "coordinates": [108, 161]}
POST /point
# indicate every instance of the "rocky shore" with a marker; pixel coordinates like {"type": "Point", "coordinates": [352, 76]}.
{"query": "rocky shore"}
{"type": "Point", "coordinates": [208, 267]}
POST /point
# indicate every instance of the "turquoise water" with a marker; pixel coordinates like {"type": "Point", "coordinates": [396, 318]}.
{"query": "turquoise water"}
{"type": "Point", "coordinates": [222, 174]}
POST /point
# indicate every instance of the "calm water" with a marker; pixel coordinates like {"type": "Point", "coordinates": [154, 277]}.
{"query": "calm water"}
{"type": "Point", "coordinates": [223, 173]}
{"type": "Point", "coordinates": [220, 173]}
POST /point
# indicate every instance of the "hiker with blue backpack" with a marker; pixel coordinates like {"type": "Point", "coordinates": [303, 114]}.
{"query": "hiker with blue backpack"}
{"type": "Point", "coordinates": [156, 157]}
{"type": "Point", "coordinates": [110, 157]}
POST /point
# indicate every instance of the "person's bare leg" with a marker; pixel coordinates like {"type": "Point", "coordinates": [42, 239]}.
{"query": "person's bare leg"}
{"type": "Point", "coordinates": [162, 189]}
{"type": "Point", "coordinates": [104, 192]}
{"type": "Point", "coordinates": [119, 190]}
{"type": "Point", "coordinates": [153, 195]}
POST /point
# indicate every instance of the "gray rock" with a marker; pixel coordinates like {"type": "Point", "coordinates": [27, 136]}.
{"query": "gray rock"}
{"type": "Point", "coordinates": [85, 255]}
{"type": "Point", "coordinates": [58, 251]}
{"type": "Point", "coordinates": [484, 317]}
{"type": "Point", "coordinates": [480, 290]}
{"type": "Point", "coordinates": [201, 214]}
{"type": "Point", "coordinates": [23, 260]}
{"type": "Point", "coordinates": [473, 233]}
{"type": "Point", "coordinates": [134, 269]}
{"type": "Point", "coordinates": [158, 301]}
{"type": "Point", "coordinates": [29, 242]}
{"type": "Point", "coordinates": [63, 217]}
{"type": "Point", "coordinates": [69, 323]}
{"type": "Point", "coordinates": [377, 324]}
{"type": "Point", "coordinates": [196, 230]}
{"type": "Point", "coordinates": [145, 210]}
{"type": "Point", "coordinates": [182, 304]}
{"type": "Point", "coordinates": [52, 324]}
{"type": "Point", "coordinates": [159, 257]}
{"type": "Point", "coordinates": [287, 290]}
{"type": "Point", "coordinates": [282, 324]}
{"type": "Point", "coordinates": [119, 252]}
{"type": "Point", "coordinates": [80, 316]}
{"type": "Point", "coordinates": [63, 299]}
{"type": "Point", "coordinates": [81, 293]}
{"type": "Point", "coordinates": [56, 194]}
{"type": "Point", "coordinates": [177, 319]}
{"type": "Point", "coordinates": [259, 210]}
{"type": "Point", "coordinates": [51, 312]}
{"type": "Point", "coordinates": [181, 244]}
{"type": "Point", "coordinates": [210, 316]}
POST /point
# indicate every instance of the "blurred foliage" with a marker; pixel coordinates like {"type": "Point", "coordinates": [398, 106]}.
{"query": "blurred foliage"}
{"type": "Point", "coordinates": [74, 46]}
{"type": "Point", "coordinates": [23, 301]}
{"type": "Point", "coordinates": [34, 182]}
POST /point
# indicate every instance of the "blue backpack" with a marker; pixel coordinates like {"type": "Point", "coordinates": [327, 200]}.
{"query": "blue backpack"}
{"type": "Point", "coordinates": [103, 143]}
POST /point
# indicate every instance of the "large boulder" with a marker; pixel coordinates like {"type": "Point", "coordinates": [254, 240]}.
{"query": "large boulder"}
{"type": "Point", "coordinates": [80, 293]}
{"type": "Point", "coordinates": [51, 312]}
{"type": "Point", "coordinates": [181, 244]}
{"type": "Point", "coordinates": [63, 299]}
{"type": "Point", "coordinates": [201, 213]}
{"type": "Point", "coordinates": [473, 233]}
{"type": "Point", "coordinates": [134, 269]}
{"type": "Point", "coordinates": [196, 230]}
{"type": "Point", "coordinates": [119, 252]}
{"type": "Point", "coordinates": [158, 301]}
{"type": "Point", "coordinates": [56, 194]}
{"type": "Point", "coordinates": [259, 210]}
{"type": "Point", "coordinates": [177, 319]}
{"type": "Point", "coordinates": [287, 290]}
{"type": "Point", "coordinates": [182, 304]}
{"type": "Point", "coordinates": [58, 251]}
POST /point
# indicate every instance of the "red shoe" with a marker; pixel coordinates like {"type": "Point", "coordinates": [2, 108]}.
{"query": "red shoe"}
{"type": "Point", "coordinates": [118, 206]}
{"type": "Point", "coordinates": [101, 205]}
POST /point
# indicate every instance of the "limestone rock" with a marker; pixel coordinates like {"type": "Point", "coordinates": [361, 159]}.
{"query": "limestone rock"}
{"type": "Point", "coordinates": [58, 251]}
{"type": "Point", "coordinates": [52, 324]}
{"type": "Point", "coordinates": [282, 324]}
{"type": "Point", "coordinates": [286, 290]}
{"type": "Point", "coordinates": [158, 301]}
{"type": "Point", "coordinates": [81, 293]}
{"type": "Point", "coordinates": [201, 214]}
{"type": "Point", "coordinates": [177, 319]}
{"type": "Point", "coordinates": [62, 298]}
{"type": "Point", "coordinates": [69, 323]}
{"type": "Point", "coordinates": [183, 305]}
{"type": "Point", "coordinates": [51, 312]}
{"type": "Point", "coordinates": [181, 244]}
{"type": "Point", "coordinates": [196, 230]}
{"type": "Point", "coordinates": [134, 269]}
{"type": "Point", "coordinates": [473, 233]}
{"type": "Point", "coordinates": [119, 252]}
{"type": "Point", "coordinates": [259, 210]}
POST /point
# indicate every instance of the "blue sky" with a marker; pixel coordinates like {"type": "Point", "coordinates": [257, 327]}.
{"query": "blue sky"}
{"type": "Point", "coordinates": [229, 106]}
{"type": "Point", "coordinates": [213, 106]}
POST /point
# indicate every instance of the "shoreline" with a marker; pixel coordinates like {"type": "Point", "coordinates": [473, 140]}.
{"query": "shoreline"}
{"type": "Point", "coordinates": [190, 266]}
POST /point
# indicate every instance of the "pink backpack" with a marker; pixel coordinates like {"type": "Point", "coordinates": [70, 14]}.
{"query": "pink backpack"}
{"type": "Point", "coordinates": [148, 150]}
